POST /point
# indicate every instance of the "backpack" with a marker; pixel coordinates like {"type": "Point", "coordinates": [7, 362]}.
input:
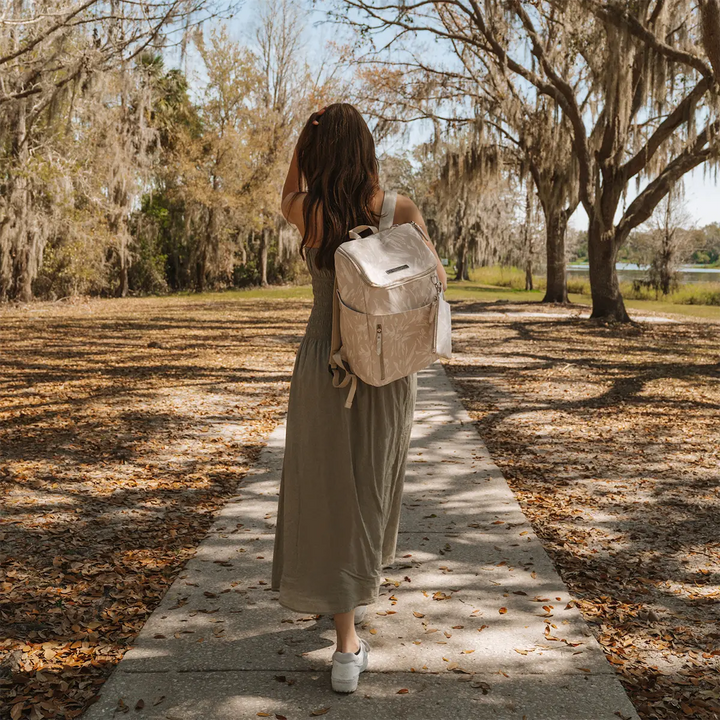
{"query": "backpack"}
{"type": "Point", "coordinates": [390, 318]}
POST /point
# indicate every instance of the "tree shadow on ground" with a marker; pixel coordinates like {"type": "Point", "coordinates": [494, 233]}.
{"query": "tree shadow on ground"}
{"type": "Point", "coordinates": [467, 598]}
{"type": "Point", "coordinates": [123, 426]}
{"type": "Point", "coordinates": [607, 436]}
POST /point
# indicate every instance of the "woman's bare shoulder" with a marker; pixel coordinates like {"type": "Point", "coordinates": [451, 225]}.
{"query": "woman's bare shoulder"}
{"type": "Point", "coordinates": [406, 210]}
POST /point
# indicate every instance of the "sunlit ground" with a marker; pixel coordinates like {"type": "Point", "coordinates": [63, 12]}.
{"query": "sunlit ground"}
{"type": "Point", "coordinates": [125, 423]}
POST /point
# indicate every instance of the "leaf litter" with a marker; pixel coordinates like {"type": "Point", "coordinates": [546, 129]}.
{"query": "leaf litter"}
{"type": "Point", "coordinates": [114, 455]}
{"type": "Point", "coordinates": [608, 437]}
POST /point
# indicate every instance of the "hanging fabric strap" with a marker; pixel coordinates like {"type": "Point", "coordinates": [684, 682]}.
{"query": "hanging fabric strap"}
{"type": "Point", "coordinates": [337, 361]}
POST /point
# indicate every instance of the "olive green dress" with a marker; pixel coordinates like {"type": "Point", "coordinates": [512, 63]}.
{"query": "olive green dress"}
{"type": "Point", "coordinates": [342, 476]}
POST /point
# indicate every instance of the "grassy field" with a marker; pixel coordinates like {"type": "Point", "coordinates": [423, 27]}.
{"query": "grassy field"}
{"type": "Point", "coordinates": [487, 285]}
{"type": "Point", "coordinates": [695, 300]}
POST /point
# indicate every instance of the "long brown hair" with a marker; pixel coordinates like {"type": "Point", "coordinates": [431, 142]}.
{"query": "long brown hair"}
{"type": "Point", "coordinates": [339, 169]}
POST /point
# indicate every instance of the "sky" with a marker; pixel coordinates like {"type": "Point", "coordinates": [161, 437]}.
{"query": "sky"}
{"type": "Point", "coordinates": [702, 190]}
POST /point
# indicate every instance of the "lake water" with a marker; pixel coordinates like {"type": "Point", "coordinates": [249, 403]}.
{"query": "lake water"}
{"type": "Point", "coordinates": [631, 271]}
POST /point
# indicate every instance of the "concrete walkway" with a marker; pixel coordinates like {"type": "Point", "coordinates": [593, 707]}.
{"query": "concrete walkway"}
{"type": "Point", "coordinates": [472, 621]}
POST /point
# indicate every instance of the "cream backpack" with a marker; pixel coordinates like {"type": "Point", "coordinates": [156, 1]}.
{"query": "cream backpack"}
{"type": "Point", "coordinates": [390, 318]}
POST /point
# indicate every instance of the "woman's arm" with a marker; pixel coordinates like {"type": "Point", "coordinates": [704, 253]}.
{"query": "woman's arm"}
{"type": "Point", "coordinates": [291, 194]}
{"type": "Point", "coordinates": [407, 211]}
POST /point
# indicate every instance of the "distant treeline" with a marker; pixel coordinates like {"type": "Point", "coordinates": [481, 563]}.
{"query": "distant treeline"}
{"type": "Point", "coordinates": [702, 247]}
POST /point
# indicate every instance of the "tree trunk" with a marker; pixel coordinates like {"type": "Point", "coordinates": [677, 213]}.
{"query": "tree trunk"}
{"type": "Point", "coordinates": [710, 24]}
{"type": "Point", "coordinates": [461, 271]}
{"type": "Point", "coordinates": [201, 264]}
{"type": "Point", "coordinates": [20, 199]}
{"type": "Point", "coordinates": [124, 283]}
{"type": "Point", "coordinates": [528, 239]}
{"type": "Point", "coordinates": [174, 273]}
{"type": "Point", "coordinates": [200, 273]}
{"type": "Point", "coordinates": [556, 228]}
{"type": "Point", "coordinates": [607, 302]}
{"type": "Point", "coordinates": [264, 256]}
{"type": "Point", "coordinates": [666, 265]}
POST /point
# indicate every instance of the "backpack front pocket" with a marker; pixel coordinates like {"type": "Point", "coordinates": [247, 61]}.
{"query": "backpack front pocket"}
{"type": "Point", "coordinates": [357, 334]}
{"type": "Point", "coordinates": [384, 348]}
{"type": "Point", "coordinates": [404, 342]}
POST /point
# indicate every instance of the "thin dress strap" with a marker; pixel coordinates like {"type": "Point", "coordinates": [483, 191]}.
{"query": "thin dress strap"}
{"type": "Point", "coordinates": [387, 213]}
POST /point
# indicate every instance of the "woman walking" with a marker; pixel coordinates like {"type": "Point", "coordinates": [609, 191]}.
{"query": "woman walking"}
{"type": "Point", "coordinates": [343, 468]}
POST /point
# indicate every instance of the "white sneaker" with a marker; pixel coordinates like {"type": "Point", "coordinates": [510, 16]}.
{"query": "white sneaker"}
{"type": "Point", "coordinates": [346, 668]}
{"type": "Point", "coordinates": [360, 612]}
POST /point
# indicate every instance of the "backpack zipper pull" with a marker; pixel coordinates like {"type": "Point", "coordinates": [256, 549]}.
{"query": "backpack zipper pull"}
{"type": "Point", "coordinates": [378, 340]}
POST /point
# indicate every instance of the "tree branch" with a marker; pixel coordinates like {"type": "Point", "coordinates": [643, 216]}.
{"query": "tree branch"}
{"type": "Point", "coordinates": [643, 205]}
{"type": "Point", "coordinates": [620, 17]}
{"type": "Point", "coordinates": [666, 128]}
{"type": "Point", "coordinates": [580, 140]}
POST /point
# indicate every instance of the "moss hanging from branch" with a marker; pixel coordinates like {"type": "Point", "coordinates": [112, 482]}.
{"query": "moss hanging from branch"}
{"type": "Point", "coordinates": [710, 22]}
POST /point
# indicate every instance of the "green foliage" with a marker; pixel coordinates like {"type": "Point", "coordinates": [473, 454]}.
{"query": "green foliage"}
{"type": "Point", "coordinates": [578, 250]}
{"type": "Point", "coordinates": [160, 223]}
{"type": "Point", "coordinates": [73, 265]}
{"type": "Point", "coordinates": [513, 278]}
{"type": "Point", "coordinates": [292, 270]}
{"type": "Point", "coordinates": [578, 286]}
{"type": "Point", "coordinates": [704, 293]}
{"type": "Point", "coordinates": [707, 242]}
{"type": "Point", "coordinates": [148, 268]}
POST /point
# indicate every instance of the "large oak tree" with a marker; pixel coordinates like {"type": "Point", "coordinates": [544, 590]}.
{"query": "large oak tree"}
{"type": "Point", "coordinates": [634, 84]}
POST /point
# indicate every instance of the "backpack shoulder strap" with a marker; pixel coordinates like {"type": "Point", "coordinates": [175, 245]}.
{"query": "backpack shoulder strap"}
{"type": "Point", "coordinates": [388, 210]}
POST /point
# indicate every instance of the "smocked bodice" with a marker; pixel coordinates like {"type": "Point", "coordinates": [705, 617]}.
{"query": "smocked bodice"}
{"type": "Point", "coordinates": [323, 280]}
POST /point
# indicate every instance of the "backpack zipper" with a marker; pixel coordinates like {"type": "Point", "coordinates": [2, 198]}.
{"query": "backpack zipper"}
{"type": "Point", "coordinates": [398, 282]}
{"type": "Point", "coordinates": [379, 349]}
{"type": "Point", "coordinates": [436, 302]}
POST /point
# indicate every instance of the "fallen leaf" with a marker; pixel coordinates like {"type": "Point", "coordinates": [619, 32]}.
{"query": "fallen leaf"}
{"type": "Point", "coordinates": [480, 685]}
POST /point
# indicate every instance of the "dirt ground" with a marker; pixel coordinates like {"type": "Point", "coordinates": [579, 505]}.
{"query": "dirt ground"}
{"type": "Point", "coordinates": [125, 423]}
{"type": "Point", "coordinates": [610, 439]}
